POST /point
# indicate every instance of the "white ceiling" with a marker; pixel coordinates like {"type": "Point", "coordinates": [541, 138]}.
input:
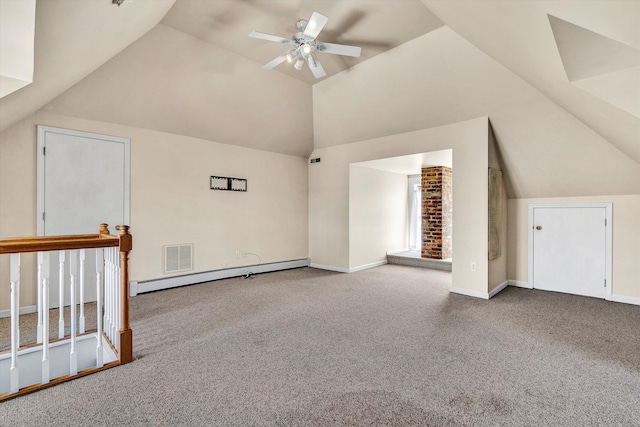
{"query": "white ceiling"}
{"type": "Point", "coordinates": [411, 164]}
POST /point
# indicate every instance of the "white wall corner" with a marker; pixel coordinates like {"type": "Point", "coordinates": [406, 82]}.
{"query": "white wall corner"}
{"type": "Point", "coordinates": [498, 289]}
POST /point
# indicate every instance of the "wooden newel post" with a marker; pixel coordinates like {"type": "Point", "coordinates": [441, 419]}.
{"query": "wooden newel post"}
{"type": "Point", "coordinates": [104, 230]}
{"type": "Point", "coordinates": [126, 338]}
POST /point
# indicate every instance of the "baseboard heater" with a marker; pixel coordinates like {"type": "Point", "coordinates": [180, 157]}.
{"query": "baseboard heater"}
{"type": "Point", "coordinates": [139, 287]}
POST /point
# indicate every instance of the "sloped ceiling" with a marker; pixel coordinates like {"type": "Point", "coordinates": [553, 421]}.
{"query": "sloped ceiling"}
{"type": "Point", "coordinates": [197, 73]}
{"type": "Point", "coordinates": [518, 35]}
{"type": "Point", "coordinates": [374, 25]}
{"type": "Point", "coordinates": [72, 39]}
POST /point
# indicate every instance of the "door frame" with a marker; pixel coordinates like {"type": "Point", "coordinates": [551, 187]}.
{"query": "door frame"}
{"type": "Point", "coordinates": [608, 238]}
{"type": "Point", "coordinates": [40, 170]}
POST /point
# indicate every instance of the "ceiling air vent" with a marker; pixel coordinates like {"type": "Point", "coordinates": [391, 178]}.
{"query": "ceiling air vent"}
{"type": "Point", "coordinates": [178, 258]}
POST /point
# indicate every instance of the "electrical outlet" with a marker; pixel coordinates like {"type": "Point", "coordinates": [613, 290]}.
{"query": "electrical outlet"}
{"type": "Point", "coordinates": [473, 266]}
{"type": "Point", "coordinates": [237, 254]}
{"type": "Point", "coordinates": [244, 254]}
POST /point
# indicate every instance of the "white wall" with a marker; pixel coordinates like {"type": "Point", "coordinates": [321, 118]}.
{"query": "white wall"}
{"type": "Point", "coordinates": [626, 240]}
{"type": "Point", "coordinates": [171, 202]}
{"type": "Point", "coordinates": [377, 214]}
{"type": "Point", "coordinates": [329, 222]}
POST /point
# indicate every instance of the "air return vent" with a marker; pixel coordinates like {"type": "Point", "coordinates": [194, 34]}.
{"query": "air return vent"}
{"type": "Point", "coordinates": [178, 258]}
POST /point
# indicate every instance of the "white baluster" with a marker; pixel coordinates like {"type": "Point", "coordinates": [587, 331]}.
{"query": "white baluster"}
{"type": "Point", "coordinates": [43, 261]}
{"type": "Point", "coordinates": [39, 304]}
{"type": "Point", "coordinates": [107, 293]}
{"type": "Point", "coordinates": [116, 297]}
{"type": "Point", "coordinates": [114, 301]}
{"type": "Point", "coordinates": [15, 319]}
{"type": "Point", "coordinates": [99, 284]}
{"type": "Point", "coordinates": [73, 270]}
{"type": "Point", "coordinates": [81, 318]}
{"type": "Point", "coordinates": [61, 294]}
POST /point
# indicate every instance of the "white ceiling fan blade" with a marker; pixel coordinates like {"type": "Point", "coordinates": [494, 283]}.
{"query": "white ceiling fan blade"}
{"type": "Point", "coordinates": [277, 61]}
{"type": "Point", "coordinates": [339, 49]}
{"type": "Point", "coordinates": [316, 67]}
{"type": "Point", "coordinates": [269, 37]}
{"type": "Point", "coordinates": [315, 25]}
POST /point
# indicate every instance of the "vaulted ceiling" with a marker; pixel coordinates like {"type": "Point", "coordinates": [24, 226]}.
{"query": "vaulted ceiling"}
{"type": "Point", "coordinates": [559, 80]}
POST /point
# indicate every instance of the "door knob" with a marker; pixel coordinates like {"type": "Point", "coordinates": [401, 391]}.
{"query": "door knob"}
{"type": "Point", "coordinates": [538, 227]}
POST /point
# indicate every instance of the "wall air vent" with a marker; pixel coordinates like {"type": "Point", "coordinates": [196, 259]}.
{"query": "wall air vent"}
{"type": "Point", "coordinates": [178, 258]}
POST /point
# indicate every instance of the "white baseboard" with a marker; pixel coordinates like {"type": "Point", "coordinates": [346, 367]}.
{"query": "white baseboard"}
{"type": "Point", "coordinates": [367, 266]}
{"type": "Point", "coordinates": [626, 300]}
{"type": "Point", "coordinates": [208, 276]}
{"type": "Point", "coordinates": [477, 294]}
{"type": "Point", "coordinates": [495, 291]}
{"type": "Point", "coordinates": [397, 251]}
{"type": "Point", "coordinates": [469, 293]}
{"type": "Point", "coordinates": [329, 267]}
{"type": "Point", "coordinates": [23, 310]}
{"type": "Point", "coordinates": [520, 284]}
{"type": "Point", "coordinates": [348, 270]}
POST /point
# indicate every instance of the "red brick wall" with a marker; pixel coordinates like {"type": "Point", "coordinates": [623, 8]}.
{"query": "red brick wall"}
{"type": "Point", "coordinates": [436, 212]}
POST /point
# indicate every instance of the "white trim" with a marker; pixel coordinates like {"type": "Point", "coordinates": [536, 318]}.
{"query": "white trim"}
{"type": "Point", "coordinates": [477, 294]}
{"type": "Point", "coordinates": [348, 270]}
{"type": "Point", "coordinates": [208, 276]}
{"type": "Point", "coordinates": [329, 267]}
{"type": "Point", "coordinates": [520, 284]}
{"type": "Point", "coordinates": [495, 291]}
{"type": "Point", "coordinates": [469, 292]}
{"type": "Point", "coordinates": [23, 310]}
{"type": "Point", "coordinates": [399, 251]}
{"type": "Point", "coordinates": [133, 288]}
{"type": "Point", "coordinates": [367, 266]}
{"type": "Point", "coordinates": [608, 206]}
{"type": "Point", "coordinates": [625, 299]}
{"type": "Point", "coordinates": [40, 163]}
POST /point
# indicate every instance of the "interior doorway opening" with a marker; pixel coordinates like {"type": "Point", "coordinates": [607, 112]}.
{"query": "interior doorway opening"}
{"type": "Point", "coordinates": [385, 209]}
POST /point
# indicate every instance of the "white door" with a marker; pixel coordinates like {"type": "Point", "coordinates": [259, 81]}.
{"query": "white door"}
{"type": "Point", "coordinates": [570, 249]}
{"type": "Point", "coordinates": [83, 181]}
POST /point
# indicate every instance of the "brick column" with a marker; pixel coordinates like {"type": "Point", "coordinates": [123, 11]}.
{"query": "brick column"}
{"type": "Point", "coordinates": [436, 213]}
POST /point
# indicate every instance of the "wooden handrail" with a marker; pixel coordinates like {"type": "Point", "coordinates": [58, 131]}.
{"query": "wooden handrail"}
{"type": "Point", "coordinates": [59, 243]}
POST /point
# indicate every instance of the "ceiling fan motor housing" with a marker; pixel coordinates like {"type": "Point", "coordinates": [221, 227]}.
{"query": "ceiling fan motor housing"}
{"type": "Point", "coordinates": [301, 39]}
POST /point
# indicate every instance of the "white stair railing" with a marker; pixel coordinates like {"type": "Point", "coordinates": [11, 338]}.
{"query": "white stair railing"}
{"type": "Point", "coordinates": [111, 294]}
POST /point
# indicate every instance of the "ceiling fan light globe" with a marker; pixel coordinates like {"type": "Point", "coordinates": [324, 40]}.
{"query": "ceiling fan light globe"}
{"type": "Point", "coordinates": [306, 48]}
{"type": "Point", "coordinates": [299, 63]}
{"type": "Point", "coordinates": [301, 24]}
{"type": "Point", "coordinates": [289, 57]}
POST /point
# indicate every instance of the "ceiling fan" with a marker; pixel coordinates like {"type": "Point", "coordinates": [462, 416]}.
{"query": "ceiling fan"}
{"type": "Point", "coordinates": [304, 46]}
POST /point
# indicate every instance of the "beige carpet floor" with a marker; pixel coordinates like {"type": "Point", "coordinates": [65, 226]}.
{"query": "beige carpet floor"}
{"type": "Point", "coordinates": [388, 346]}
